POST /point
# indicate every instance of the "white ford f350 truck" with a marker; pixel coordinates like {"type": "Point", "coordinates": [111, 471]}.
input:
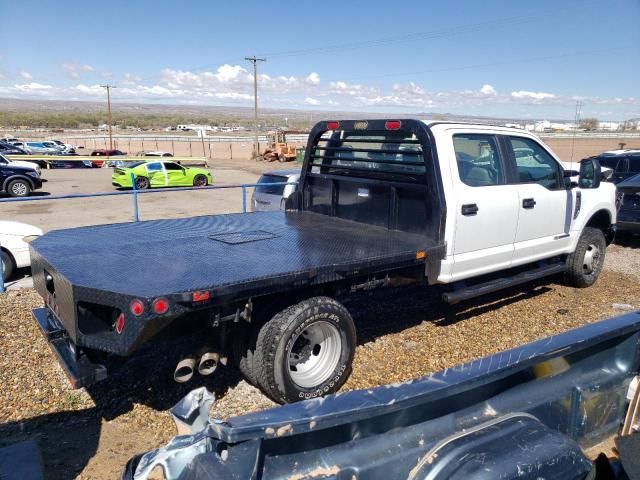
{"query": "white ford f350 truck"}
{"type": "Point", "coordinates": [468, 209]}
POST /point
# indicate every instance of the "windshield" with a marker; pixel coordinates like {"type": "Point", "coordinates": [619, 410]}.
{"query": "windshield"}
{"type": "Point", "coordinates": [271, 189]}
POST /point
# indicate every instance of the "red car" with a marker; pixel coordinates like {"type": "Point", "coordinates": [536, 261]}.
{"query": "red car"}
{"type": "Point", "coordinates": [104, 153]}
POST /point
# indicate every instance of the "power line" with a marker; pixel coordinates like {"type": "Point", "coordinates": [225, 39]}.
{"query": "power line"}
{"type": "Point", "coordinates": [403, 38]}
{"type": "Point", "coordinates": [424, 35]}
{"type": "Point", "coordinates": [255, 61]}
{"type": "Point", "coordinates": [491, 64]}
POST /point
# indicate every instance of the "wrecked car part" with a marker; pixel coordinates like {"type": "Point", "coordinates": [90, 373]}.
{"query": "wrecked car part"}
{"type": "Point", "coordinates": [523, 413]}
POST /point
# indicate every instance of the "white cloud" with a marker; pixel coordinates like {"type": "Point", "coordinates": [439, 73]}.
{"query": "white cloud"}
{"type": "Point", "coordinates": [233, 84]}
{"type": "Point", "coordinates": [32, 87]}
{"type": "Point", "coordinates": [26, 75]}
{"type": "Point", "coordinates": [89, 89]}
{"type": "Point", "coordinates": [313, 79]}
{"type": "Point", "coordinates": [130, 79]}
{"type": "Point", "coordinates": [532, 95]}
{"type": "Point", "coordinates": [74, 70]}
{"type": "Point", "coordinates": [228, 73]}
{"type": "Point", "coordinates": [488, 90]}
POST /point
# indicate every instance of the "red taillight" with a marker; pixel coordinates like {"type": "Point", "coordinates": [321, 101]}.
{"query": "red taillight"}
{"type": "Point", "coordinates": [137, 307]}
{"type": "Point", "coordinates": [333, 125]}
{"type": "Point", "coordinates": [200, 296]}
{"type": "Point", "coordinates": [120, 323]}
{"type": "Point", "coordinates": [160, 305]}
{"type": "Point", "coordinates": [392, 124]}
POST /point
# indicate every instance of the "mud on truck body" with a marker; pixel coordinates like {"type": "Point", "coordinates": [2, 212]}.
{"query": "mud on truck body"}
{"type": "Point", "coordinates": [475, 208]}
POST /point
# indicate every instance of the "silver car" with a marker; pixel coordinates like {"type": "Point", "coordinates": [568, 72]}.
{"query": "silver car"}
{"type": "Point", "coordinates": [39, 148]}
{"type": "Point", "coordinates": [272, 197]}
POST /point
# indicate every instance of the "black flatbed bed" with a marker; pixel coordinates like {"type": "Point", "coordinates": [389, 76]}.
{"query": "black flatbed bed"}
{"type": "Point", "coordinates": [218, 253]}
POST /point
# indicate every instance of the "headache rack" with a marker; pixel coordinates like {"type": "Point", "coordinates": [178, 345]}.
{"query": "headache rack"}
{"type": "Point", "coordinates": [370, 154]}
{"type": "Point", "coordinates": [379, 172]}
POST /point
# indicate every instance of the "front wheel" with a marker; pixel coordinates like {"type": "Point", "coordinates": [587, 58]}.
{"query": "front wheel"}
{"type": "Point", "coordinates": [200, 181]}
{"type": "Point", "coordinates": [585, 263]}
{"type": "Point", "coordinates": [305, 351]}
{"type": "Point", "coordinates": [19, 188]}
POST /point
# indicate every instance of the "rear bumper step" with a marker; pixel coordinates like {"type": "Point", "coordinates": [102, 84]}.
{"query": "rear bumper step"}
{"type": "Point", "coordinates": [494, 285]}
{"type": "Point", "coordinates": [78, 368]}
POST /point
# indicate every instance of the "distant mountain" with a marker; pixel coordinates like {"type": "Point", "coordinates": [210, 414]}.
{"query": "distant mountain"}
{"type": "Point", "coordinates": [60, 106]}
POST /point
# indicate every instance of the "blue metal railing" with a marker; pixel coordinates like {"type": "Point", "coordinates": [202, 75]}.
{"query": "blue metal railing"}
{"type": "Point", "coordinates": [134, 192]}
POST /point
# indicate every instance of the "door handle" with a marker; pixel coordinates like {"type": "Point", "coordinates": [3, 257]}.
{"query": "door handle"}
{"type": "Point", "coordinates": [528, 203]}
{"type": "Point", "coordinates": [469, 209]}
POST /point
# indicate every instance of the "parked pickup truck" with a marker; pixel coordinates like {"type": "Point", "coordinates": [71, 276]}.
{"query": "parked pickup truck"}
{"type": "Point", "coordinates": [379, 202]}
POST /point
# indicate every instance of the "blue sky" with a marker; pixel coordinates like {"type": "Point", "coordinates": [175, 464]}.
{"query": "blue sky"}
{"type": "Point", "coordinates": [494, 58]}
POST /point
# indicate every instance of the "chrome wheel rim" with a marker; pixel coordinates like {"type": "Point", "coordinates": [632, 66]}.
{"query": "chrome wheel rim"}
{"type": "Point", "coordinates": [314, 355]}
{"type": "Point", "coordinates": [19, 189]}
{"type": "Point", "coordinates": [592, 259]}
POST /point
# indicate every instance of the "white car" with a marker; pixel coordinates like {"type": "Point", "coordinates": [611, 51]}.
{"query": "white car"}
{"type": "Point", "coordinates": [14, 242]}
{"type": "Point", "coordinates": [19, 163]}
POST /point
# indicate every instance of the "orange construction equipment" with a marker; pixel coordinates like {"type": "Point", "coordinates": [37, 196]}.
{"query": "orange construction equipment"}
{"type": "Point", "coordinates": [278, 148]}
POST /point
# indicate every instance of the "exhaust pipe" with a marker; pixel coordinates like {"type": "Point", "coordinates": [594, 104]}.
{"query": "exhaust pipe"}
{"type": "Point", "coordinates": [208, 363]}
{"type": "Point", "coordinates": [184, 370]}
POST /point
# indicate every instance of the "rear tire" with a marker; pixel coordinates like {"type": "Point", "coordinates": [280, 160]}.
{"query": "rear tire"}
{"type": "Point", "coordinates": [244, 346]}
{"type": "Point", "coordinates": [585, 263]}
{"type": "Point", "coordinates": [200, 181]}
{"type": "Point", "coordinates": [305, 351]}
{"type": "Point", "coordinates": [7, 265]}
{"type": "Point", "coordinates": [19, 188]}
{"type": "Point", "coordinates": [142, 183]}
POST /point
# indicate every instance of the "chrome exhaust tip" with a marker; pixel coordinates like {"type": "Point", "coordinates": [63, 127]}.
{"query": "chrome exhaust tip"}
{"type": "Point", "coordinates": [184, 370]}
{"type": "Point", "coordinates": [208, 363]}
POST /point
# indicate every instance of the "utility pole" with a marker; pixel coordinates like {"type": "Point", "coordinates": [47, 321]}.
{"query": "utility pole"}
{"type": "Point", "coordinates": [109, 87]}
{"type": "Point", "coordinates": [255, 61]}
{"type": "Point", "coordinates": [576, 121]}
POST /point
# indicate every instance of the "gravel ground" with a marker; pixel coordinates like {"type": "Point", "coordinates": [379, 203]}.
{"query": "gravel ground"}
{"type": "Point", "coordinates": [403, 334]}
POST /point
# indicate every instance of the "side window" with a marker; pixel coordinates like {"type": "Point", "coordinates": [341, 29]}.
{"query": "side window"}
{"type": "Point", "coordinates": [478, 159]}
{"type": "Point", "coordinates": [172, 166]}
{"type": "Point", "coordinates": [535, 165]}
{"type": "Point", "coordinates": [634, 165]}
{"type": "Point", "coordinates": [154, 167]}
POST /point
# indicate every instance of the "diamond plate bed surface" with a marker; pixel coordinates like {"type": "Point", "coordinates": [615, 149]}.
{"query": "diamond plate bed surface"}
{"type": "Point", "coordinates": [168, 256]}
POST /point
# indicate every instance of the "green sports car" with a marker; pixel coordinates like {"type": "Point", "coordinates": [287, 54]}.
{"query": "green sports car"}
{"type": "Point", "coordinates": [160, 174]}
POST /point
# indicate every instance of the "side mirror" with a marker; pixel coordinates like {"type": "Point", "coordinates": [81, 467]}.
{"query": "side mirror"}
{"type": "Point", "coordinates": [590, 173]}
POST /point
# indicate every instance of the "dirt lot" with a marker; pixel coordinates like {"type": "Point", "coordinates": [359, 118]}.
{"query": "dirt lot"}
{"type": "Point", "coordinates": [91, 433]}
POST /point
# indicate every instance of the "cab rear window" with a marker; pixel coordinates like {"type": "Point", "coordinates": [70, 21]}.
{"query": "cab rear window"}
{"type": "Point", "coordinates": [369, 154]}
{"type": "Point", "coordinates": [267, 186]}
